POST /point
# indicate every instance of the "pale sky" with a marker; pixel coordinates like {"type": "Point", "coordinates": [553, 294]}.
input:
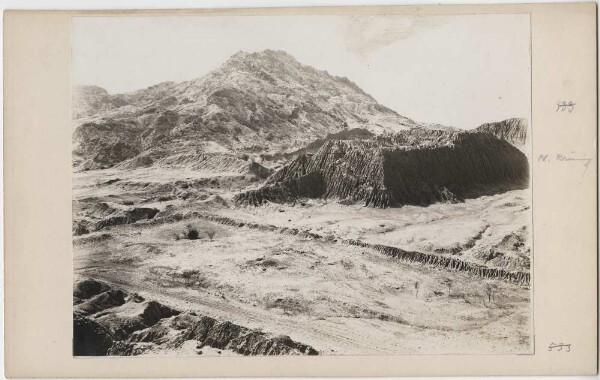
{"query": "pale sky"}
{"type": "Point", "coordinates": [459, 70]}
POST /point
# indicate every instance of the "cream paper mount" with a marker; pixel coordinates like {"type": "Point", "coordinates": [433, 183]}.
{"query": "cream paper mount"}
{"type": "Point", "coordinates": [413, 195]}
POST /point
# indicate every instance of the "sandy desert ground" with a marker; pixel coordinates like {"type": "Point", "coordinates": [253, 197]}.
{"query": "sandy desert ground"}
{"type": "Point", "coordinates": [246, 267]}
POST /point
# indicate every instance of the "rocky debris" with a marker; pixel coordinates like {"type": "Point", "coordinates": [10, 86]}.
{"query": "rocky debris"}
{"type": "Point", "coordinates": [265, 100]}
{"type": "Point", "coordinates": [114, 322]}
{"type": "Point", "coordinates": [512, 130]}
{"type": "Point", "coordinates": [416, 167]}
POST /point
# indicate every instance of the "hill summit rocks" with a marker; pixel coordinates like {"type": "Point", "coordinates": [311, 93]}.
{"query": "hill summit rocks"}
{"type": "Point", "coordinates": [417, 167]}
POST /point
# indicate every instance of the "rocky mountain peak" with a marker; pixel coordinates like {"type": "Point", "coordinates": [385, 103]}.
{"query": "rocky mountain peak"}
{"type": "Point", "coordinates": [277, 67]}
{"type": "Point", "coordinates": [267, 55]}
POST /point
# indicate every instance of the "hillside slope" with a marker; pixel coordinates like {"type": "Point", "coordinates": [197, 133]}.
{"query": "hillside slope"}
{"type": "Point", "coordinates": [255, 102]}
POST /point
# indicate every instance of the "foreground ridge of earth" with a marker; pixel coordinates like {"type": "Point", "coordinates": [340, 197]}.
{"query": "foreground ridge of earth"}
{"type": "Point", "coordinates": [109, 321]}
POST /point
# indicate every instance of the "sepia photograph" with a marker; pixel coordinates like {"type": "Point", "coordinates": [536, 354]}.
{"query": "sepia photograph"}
{"type": "Point", "coordinates": [302, 185]}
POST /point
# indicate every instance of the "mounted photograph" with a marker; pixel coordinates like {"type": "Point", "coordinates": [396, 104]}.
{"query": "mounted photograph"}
{"type": "Point", "coordinates": [302, 185]}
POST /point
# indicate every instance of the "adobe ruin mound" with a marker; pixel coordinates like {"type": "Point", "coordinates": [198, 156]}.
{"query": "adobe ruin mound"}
{"type": "Point", "coordinates": [416, 167]}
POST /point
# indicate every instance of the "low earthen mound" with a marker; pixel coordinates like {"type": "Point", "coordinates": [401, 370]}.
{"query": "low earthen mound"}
{"type": "Point", "coordinates": [214, 201]}
{"type": "Point", "coordinates": [134, 316]}
{"type": "Point", "coordinates": [88, 288]}
{"type": "Point", "coordinates": [105, 300]}
{"type": "Point", "coordinates": [126, 217]}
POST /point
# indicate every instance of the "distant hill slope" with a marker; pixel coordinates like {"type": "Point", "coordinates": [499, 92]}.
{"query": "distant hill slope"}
{"type": "Point", "coordinates": [416, 167]}
{"type": "Point", "coordinates": [512, 130]}
{"type": "Point", "coordinates": [254, 102]}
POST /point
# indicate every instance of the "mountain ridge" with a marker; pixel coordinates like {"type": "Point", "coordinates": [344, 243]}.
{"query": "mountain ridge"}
{"type": "Point", "coordinates": [264, 100]}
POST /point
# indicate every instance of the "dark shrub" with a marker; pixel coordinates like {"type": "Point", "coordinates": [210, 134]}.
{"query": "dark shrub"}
{"type": "Point", "coordinates": [192, 234]}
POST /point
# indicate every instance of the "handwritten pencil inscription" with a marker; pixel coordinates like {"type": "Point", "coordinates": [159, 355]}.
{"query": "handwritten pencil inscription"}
{"type": "Point", "coordinates": [560, 157]}
{"type": "Point", "coordinates": [565, 106]}
{"type": "Point", "coordinates": [559, 347]}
